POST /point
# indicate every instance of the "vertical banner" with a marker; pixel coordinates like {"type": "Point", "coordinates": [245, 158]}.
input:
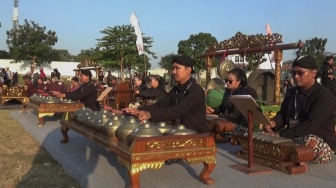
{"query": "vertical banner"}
{"type": "Point", "coordinates": [135, 23]}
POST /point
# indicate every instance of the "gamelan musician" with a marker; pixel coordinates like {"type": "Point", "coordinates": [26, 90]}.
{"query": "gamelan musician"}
{"type": "Point", "coordinates": [86, 93]}
{"type": "Point", "coordinates": [183, 104]}
{"type": "Point", "coordinates": [307, 112]}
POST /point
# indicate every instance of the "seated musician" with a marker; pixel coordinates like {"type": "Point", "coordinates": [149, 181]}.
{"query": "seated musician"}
{"type": "Point", "coordinates": [41, 87]}
{"type": "Point", "coordinates": [74, 84]}
{"type": "Point", "coordinates": [154, 93]}
{"type": "Point", "coordinates": [86, 93]}
{"type": "Point", "coordinates": [183, 104]}
{"type": "Point", "coordinates": [98, 85]}
{"type": "Point", "coordinates": [307, 113]}
{"type": "Point", "coordinates": [30, 87]}
{"type": "Point", "coordinates": [139, 85]}
{"type": "Point", "coordinates": [55, 86]}
{"type": "Point", "coordinates": [112, 82]}
{"type": "Point", "coordinates": [234, 122]}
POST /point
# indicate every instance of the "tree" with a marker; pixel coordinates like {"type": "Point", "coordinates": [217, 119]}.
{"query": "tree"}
{"type": "Point", "coordinates": [4, 54]}
{"type": "Point", "coordinates": [118, 45]}
{"type": "Point", "coordinates": [315, 47]}
{"type": "Point", "coordinates": [195, 45]}
{"type": "Point", "coordinates": [31, 41]}
{"type": "Point", "coordinates": [62, 55]}
{"type": "Point", "coordinates": [166, 61]}
{"type": "Point", "coordinates": [91, 54]}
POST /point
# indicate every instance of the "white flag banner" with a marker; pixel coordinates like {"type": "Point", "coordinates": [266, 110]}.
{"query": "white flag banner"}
{"type": "Point", "coordinates": [135, 23]}
{"type": "Point", "coordinates": [269, 32]}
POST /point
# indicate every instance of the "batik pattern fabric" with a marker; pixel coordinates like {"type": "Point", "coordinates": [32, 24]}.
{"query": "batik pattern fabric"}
{"type": "Point", "coordinates": [236, 131]}
{"type": "Point", "coordinates": [322, 151]}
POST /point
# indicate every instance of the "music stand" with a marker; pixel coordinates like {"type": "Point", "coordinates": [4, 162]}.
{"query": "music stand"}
{"type": "Point", "coordinates": [103, 95]}
{"type": "Point", "coordinates": [248, 107]}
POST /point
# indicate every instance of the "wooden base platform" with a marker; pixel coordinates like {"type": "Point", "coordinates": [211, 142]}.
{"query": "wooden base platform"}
{"type": "Point", "coordinates": [152, 152]}
{"type": "Point", "coordinates": [45, 109]}
{"type": "Point", "coordinates": [13, 93]}
{"type": "Point", "coordinates": [286, 157]}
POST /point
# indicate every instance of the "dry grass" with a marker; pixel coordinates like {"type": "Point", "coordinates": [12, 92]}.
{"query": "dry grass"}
{"type": "Point", "coordinates": [24, 162]}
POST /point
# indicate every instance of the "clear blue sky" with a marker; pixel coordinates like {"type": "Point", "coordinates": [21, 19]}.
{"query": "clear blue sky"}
{"type": "Point", "coordinates": [79, 22]}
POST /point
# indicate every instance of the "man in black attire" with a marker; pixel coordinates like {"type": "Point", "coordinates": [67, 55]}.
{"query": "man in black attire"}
{"type": "Point", "coordinates": [86, 93]}
{"type": "Point", "coordinates": [308, 111]}
{"type": "Point", "coordinates": [327, 75]}
{"type": "Point", "coordinates": [184, 103]}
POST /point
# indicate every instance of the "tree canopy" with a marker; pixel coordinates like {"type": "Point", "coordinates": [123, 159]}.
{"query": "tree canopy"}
{"type": "Point", "coordinates": [315, 47]}
{"type": "Point", "coordinates": [118, 46]}
{"type": "Point", "coordinates": [166, 61]}
{"type": "Point", "coordinates": [31, 41]}
{"type": "Point", "coordinates": [62, 55]}
{"type": "Point", "coordinates": [195, 45]}
{"type": "Point", "coordinates": [4, 54]}
{"type": "Point", "coordinates": [91, 54]}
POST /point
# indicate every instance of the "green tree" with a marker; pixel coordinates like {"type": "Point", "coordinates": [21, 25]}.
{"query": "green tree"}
{"type": "Point", "coordinates": [4, 54]}
{"type": "Point", "coordinates": [91, 54]}
{"type": "Point", "coordinates": [31, 41]}
{"type": "Point", "coordinates": [195, 45]}
{"type": "Point", "coordinates": [62, 55]}
{"type": "Point", "coordinates": [166, 61]}
{"type": "Point", "coordinates": [315, 47]}
{"type": "Point", "coordinates": [118, 45]}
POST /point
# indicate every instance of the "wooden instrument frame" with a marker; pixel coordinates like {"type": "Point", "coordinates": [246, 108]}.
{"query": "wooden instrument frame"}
{"type": "Point", "coordinates": [15, 92]}
{"type": "Point", "coordinates": [286, 157]}
{"type": "Point", "coordinates": [49, 109]}
{"type": "Point", "coordinates": [151, 152]}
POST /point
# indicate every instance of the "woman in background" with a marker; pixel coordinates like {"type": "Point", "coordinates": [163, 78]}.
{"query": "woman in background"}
{"type": "Point", "coordinates": [155, 92]}
{"type": "Point", "coordinates": [234, 122]}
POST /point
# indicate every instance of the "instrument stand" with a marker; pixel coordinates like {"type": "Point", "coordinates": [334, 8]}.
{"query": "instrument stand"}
{"type": "Point", "coordinates": [249, 108]}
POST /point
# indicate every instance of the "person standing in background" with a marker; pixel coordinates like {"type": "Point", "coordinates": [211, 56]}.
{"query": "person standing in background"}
{"type": "Point", "coordinates": [101, 77]}
{"type": "Point", "coordinates": [15, 78]}
{"type": "Point", "coordinates": [327, 74]}
{"type": "Point", "coordinates": [9, 77]}
{"type": "Point", "coordinates": [56, 74]}
{"type": "Point", "coordinates": [109, 78]}
{"type": "Point", "coordinates": [42, 74]}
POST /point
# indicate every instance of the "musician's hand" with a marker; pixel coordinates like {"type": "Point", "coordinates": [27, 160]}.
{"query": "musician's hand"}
{"type": "Point", "coordinates": [144, 116]}
{"type": "Point", "coordinates": [130, 110]}
{"type": "Point", "coordinates": [61, 95]}
{"type": "Point", "coordinates": [269, 128]}
{"type": "Point", "coordinates": [209, 110]}
{"type": "Point", "coordinates": [55, 92]}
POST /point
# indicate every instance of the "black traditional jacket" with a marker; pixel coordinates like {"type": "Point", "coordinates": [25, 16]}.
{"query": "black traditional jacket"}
{"type": "Point", "coordinates": [316, 113]}
{"type": "Point", "coordinates": [183, 104]}
{"type": "Point", "coordinates": [228, 111]}
{"type": "Point", "coordinates": [325, 71]}
{"type": "Point", "coordinates": [87, 94]}
{"type": "Point", "coordinates": [153, 93]}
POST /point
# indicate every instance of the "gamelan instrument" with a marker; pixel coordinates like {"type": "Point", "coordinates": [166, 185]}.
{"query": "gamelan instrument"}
{"type": "Point", "coordinates": [14, 92]}
{"type": "Point", "coordinates": [49, 105]}
{"type": "Point", "coordinates": [278, 153]}
{"type": "Point", "coordinates": [140, 147]}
